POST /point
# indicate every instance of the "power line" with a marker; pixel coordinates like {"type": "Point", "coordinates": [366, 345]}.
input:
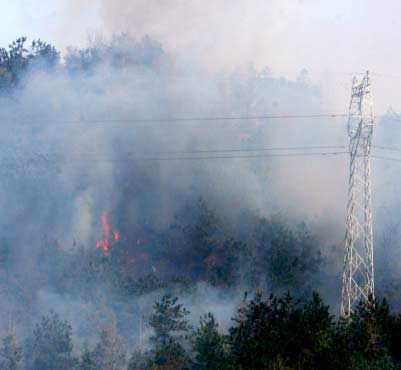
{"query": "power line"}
{"type": "Point", "coordinates": [211, 157]}
{"type": "Point", "coordinates": [166, 155]}
{"type": "Point", "coordinates": [235, 150]}
{"type": "Point", "coordinates": [185, 119]}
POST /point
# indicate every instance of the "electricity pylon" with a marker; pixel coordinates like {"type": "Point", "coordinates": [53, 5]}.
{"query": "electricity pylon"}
{"type": "Point", "coordinates": [358, 276]}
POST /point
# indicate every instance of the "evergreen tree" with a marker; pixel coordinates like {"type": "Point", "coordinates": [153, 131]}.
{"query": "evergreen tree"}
{"type": "Point", "coordinates": [196, 225]}
{"type": "Point", "coordinates": [49, 347]}
{"type": "Point", "coordinates": [140, 361]}
{"type": "Point", "coordinates": [367, 333]}
{"type": "Point", "coordinates": [169, 327]}
{"type": "Point", "coordinates": [290, 257]}
{"type": "Point", "coordinates": [10, 354]}
{"type": "Point", "coordinates": [18, 58]}
{"type": "Point", "coordinates": [208, 345]}
{"type": "Point", "coordinates": [224, 261]}
{"type": "Point", "coordinates": [279, 331]}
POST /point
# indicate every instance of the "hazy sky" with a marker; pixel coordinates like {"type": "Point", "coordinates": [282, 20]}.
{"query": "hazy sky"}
{"type": "Point", "coordinates": [328, 38]}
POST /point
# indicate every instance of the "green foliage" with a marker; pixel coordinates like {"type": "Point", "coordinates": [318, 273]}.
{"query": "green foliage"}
{"type": "Point", "coordinates": [15, 61]}
{"type": "Point", "coordinates": [197, 246]}
{"type": "Point", "coordinates": [10, 353]}
{"type": "Point", "coordinates": [49, 347]}
{"type": "Point", "coordinates": [209, 345]}
{"type": "Point", "coordinates": [368, 333]}
{"type": "Point", "coordinates": [196, 226]}
{"type": "Point", "coordinates": [42, 52]}
{"type": "Point", "coordinates": [169, 327]}
{"type": "Point", "coordinates": [279, 330]}
{"type": "Point", "coordinates": [291, 257]}
{"type": "Point", "coordinates": [224, 261]}
{"type": "Point", "coordinates": [167, 320]}
{"type": "Point", "coordinates": [381, 361]}
{"type": "Point", "coordinates": [273, 333]}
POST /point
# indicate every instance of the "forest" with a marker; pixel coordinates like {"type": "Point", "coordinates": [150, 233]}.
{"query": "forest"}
{"type": "Point", "coordinates": [266, 333]}
{"type": "Point", "coordinates": [123, 265]}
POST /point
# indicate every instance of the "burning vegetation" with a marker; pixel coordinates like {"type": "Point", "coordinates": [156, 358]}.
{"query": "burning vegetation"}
{"type": "Point", "coordinates": [192, 229]}
{"type": "Point", "coordinates": [107, 235]}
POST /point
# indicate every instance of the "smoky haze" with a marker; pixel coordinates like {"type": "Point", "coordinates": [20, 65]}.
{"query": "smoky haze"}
{"type": "Point", "coordinates": [80, 144]}
{"type": "Point", "coordinates": [329, 39]}
{"type": "Point", "coordinates": [75, 149]}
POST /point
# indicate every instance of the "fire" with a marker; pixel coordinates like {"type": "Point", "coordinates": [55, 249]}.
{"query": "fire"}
{"type": "Point", "coordinates": [104, 242]}
{"type": "Point", "coordinates": [137, 261]}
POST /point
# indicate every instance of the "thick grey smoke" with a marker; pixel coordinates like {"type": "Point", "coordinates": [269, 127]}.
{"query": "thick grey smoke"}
{"type": "Point", "coordinates": [71, 152]}
{"type": "Point", "coordinates": [68, 155]}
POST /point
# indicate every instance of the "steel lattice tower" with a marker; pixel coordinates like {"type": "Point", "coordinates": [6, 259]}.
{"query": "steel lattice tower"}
{"type": "Point", "coordinates": [358, 276]}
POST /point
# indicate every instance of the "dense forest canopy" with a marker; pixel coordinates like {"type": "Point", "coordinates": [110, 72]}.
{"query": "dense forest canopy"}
{"type": "Point", "coordinates": [98, 237]}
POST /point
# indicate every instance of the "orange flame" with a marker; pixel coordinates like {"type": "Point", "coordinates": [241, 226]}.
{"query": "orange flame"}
{"type": "Point", "coordinates": [104, 242]}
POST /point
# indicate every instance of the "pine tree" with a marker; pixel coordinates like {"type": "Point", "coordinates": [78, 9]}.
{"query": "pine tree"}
{"type": "Point", "coordinates": [169, 326]}
{"type": "Point", "coordinates": [140, 361]}
{"type": "Point", "coordinates": [10, 353]}
{"type": "Point", "coordinates": [208, 344]}
{"type": "Point", "coordinates": [49, 347]}
{"type": "Point", "coordinates": [282, 331]}
{"type": "Point", "coordinates": [367, 334]}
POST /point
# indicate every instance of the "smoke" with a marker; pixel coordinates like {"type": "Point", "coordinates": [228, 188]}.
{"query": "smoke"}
{"type": "Point", "coordinates": [330, 40]}
{"type": "Point", "coordinates": [285, 35]}
{"type": "Point", "coordinates": [74, 147]}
